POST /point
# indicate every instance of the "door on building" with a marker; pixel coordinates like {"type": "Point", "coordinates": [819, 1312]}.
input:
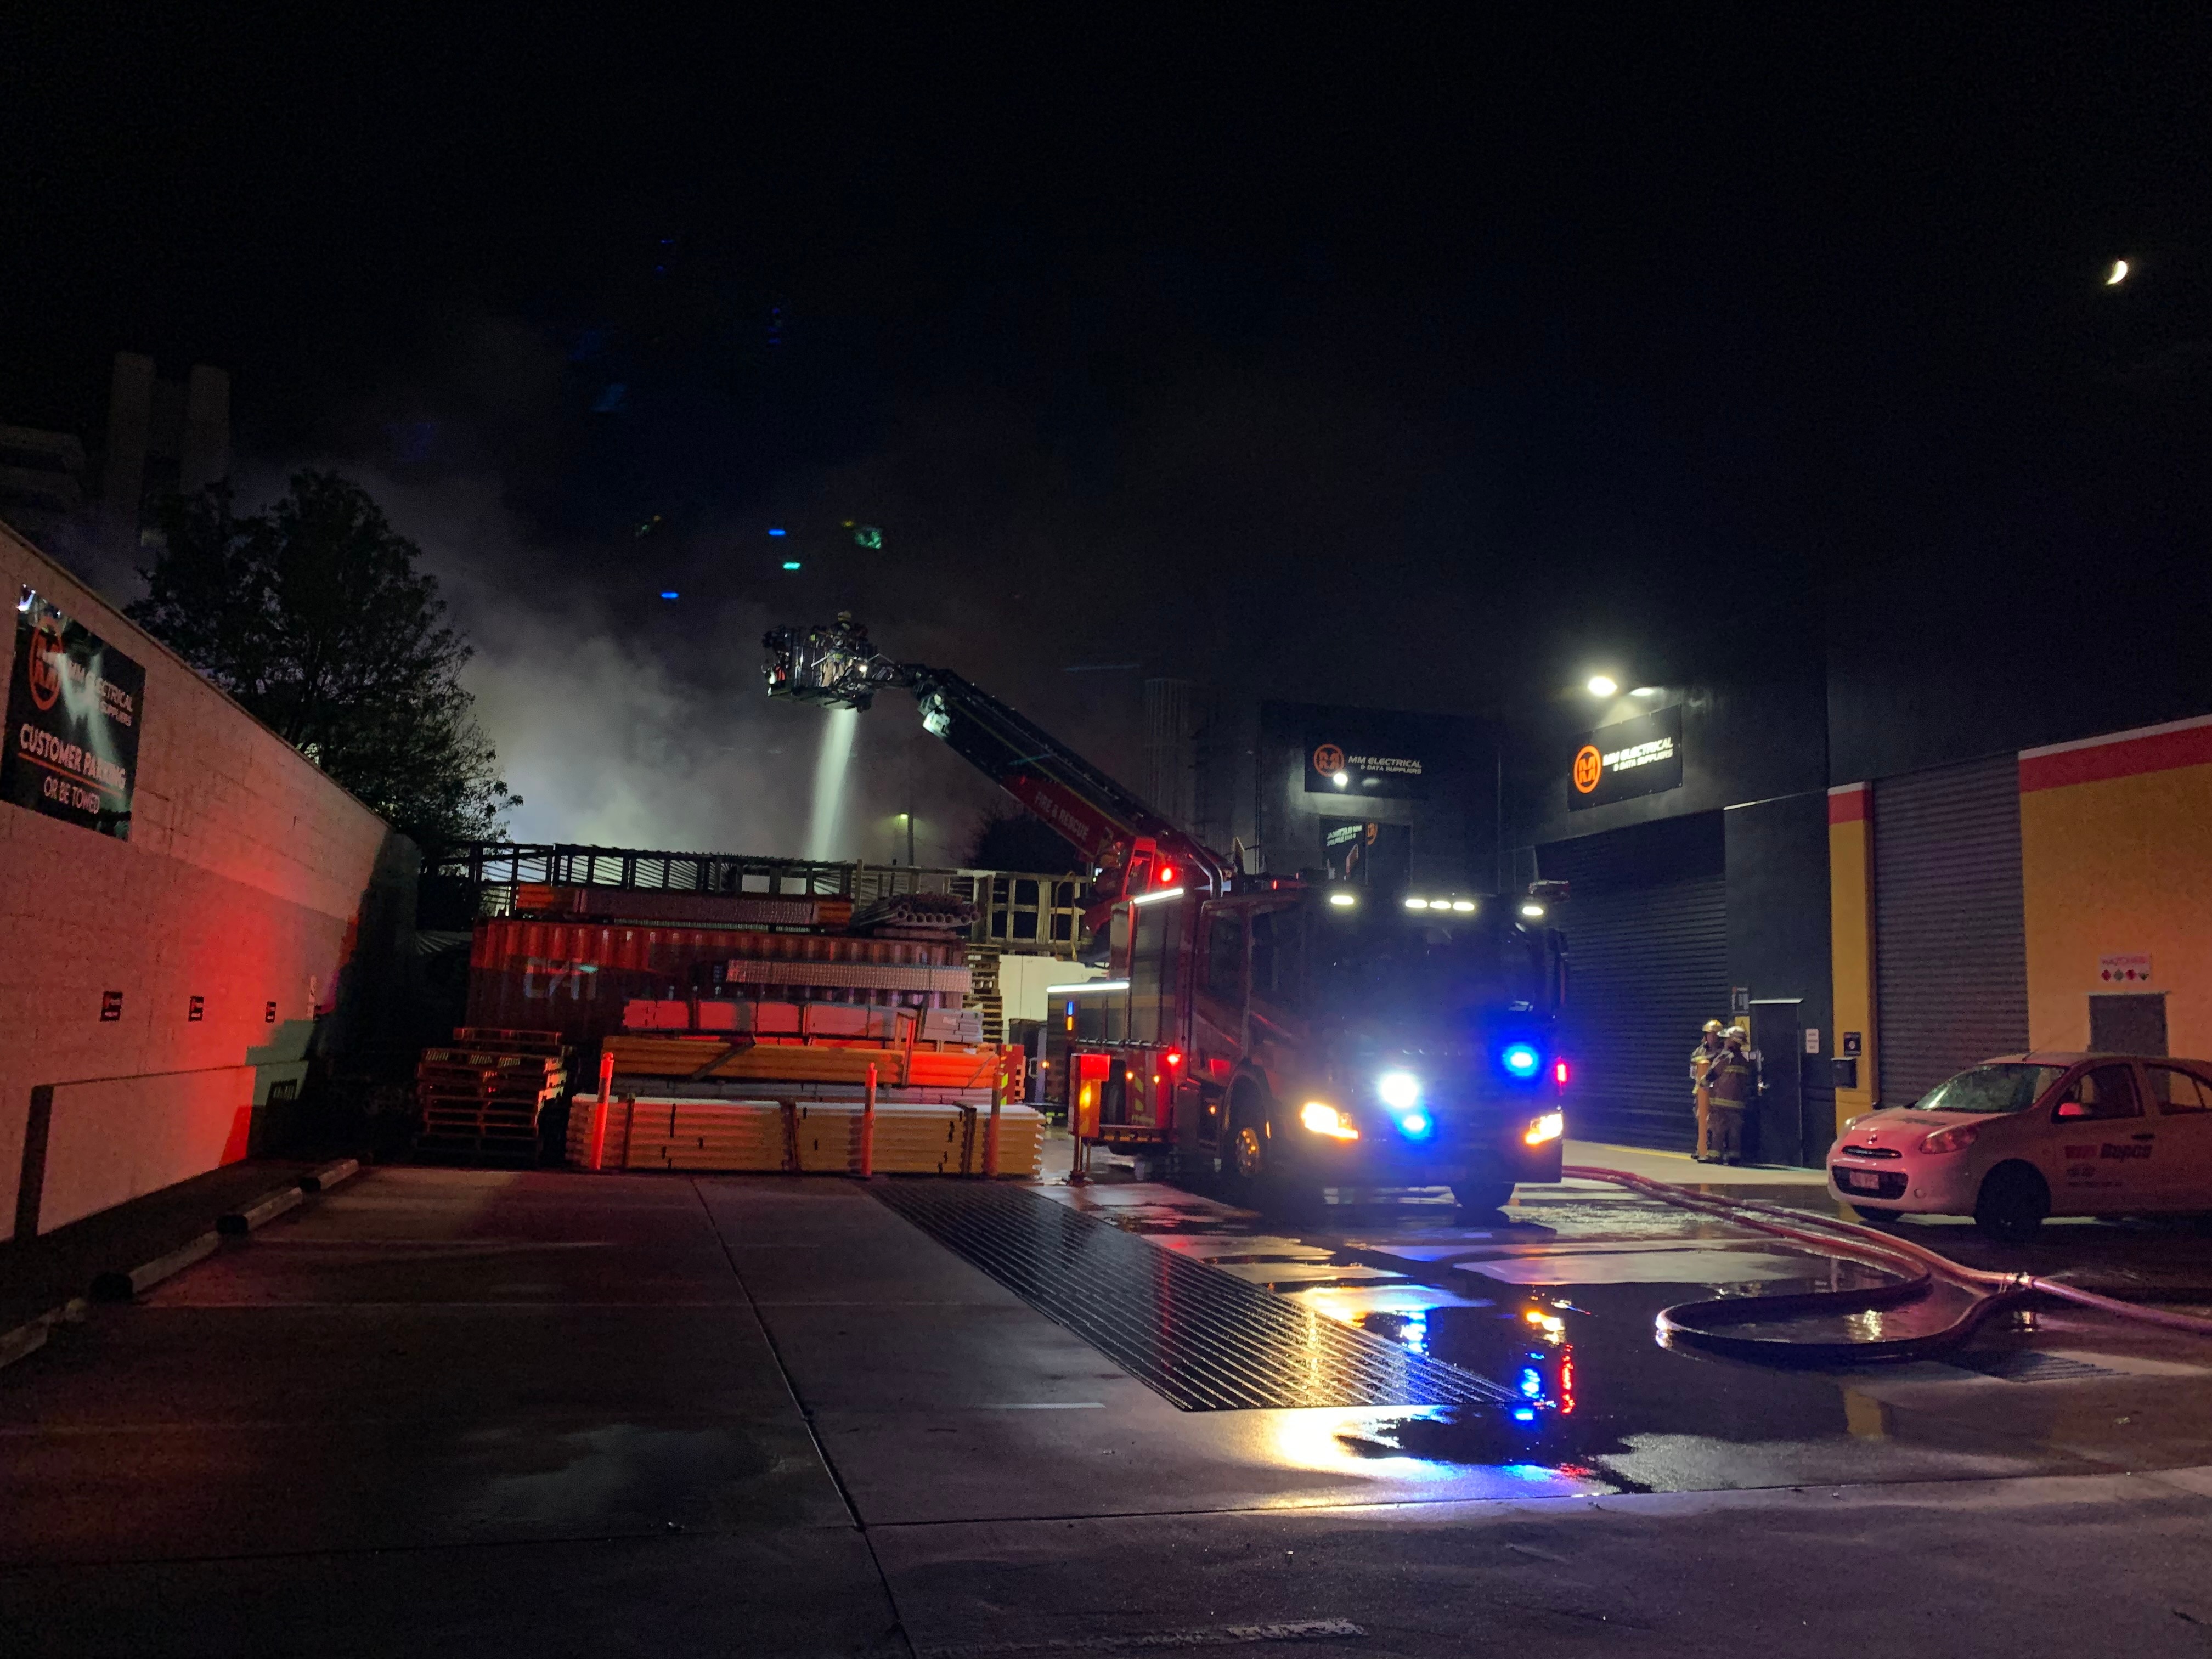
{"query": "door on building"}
{"type": "Point", "coordinates": [1777, 1120]}
{"type": "Point", "coordinates": [1951, 939]}
{"type": "Point", "coordinates": [1647, 934]}
{"type": "Point", "coordinates": [2134, 1024]}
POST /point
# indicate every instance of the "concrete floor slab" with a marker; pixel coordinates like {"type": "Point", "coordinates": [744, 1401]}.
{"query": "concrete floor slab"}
{"type": "Point", "coordinates": [772, 1593]}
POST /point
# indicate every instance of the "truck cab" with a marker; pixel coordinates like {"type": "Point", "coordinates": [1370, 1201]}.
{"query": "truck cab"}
{"type": "Point", "coordinates": [1306, 1035]}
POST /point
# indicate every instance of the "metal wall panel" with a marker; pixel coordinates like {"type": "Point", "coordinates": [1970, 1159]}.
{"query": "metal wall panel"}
{"type": "Point", "coordinates": [1649, 966]}
{"type": "Point", "coordinates": [1950, 942]}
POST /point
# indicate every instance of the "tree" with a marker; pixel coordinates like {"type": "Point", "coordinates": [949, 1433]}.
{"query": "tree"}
{"type": "Point", "coordinates": [313, 615]}
{"type": "Point", "coordinates": [1015, 839]}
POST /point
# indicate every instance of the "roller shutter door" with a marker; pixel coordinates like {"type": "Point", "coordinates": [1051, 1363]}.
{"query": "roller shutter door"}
{"type": "Point", "coordinates": [1647, 943]}
{"type": "Point", "coordinates": [1950, 942]}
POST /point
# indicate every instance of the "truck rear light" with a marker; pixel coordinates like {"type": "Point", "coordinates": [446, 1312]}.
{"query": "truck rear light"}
{"type": "Point", "coordinates": [1559, 1072]}
{"type": "Point", "coordinates": [1548, 1127]}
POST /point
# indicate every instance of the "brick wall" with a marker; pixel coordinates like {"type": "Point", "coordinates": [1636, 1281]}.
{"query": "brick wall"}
{"type": "Point", "coordinates": [250, 878]}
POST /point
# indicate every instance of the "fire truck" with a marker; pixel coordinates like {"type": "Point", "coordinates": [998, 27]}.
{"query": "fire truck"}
{"type": "Point", "coordinates": [1292, 1034]}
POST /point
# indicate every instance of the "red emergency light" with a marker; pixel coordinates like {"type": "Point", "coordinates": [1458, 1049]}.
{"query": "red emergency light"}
{"type": "Point", "coordinates": [1173, 1057]}
{"type": "Point", "coordinates": [1559, 1072]}
{"type": "Point", "coordinates": [1163, 875]}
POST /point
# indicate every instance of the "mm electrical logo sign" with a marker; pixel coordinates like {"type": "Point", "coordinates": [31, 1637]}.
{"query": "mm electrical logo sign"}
{"type": "Point", "coordinates": [74, 706]}
{"type": "Point", "coordinates": [1338, 764]}
{"type": "Point", "coordinates": [1640, 757]}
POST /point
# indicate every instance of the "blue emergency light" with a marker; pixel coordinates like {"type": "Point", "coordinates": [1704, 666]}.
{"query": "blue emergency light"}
{"type": "Point", "coordinates": [1520, 1059]}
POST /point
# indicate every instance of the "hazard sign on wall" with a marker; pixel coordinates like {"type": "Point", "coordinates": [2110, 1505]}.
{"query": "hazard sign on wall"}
{"type": "Point", "coordinates": [74, 707]}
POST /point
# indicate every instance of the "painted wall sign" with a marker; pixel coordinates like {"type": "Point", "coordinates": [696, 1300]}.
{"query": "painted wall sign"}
{"type": "Point", "coordinates": [1854, 1042]}
{"type": "Point", "coordinates": [1367, 768]}
{"type": "Point", "coordinates": [1639, 757]}
{"type": "Point", "coordinates": [111, 1005]}
{"type": "Point", "coordinates": [74, 706]}
{"type": "Point", "coordinates": [2130, 969]}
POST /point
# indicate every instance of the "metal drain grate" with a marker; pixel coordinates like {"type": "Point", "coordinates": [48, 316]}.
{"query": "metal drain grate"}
{"type": "Point", "coordinates": [2026, 1365]}
{"type": "Point", "coordinates": [1205, 1340]}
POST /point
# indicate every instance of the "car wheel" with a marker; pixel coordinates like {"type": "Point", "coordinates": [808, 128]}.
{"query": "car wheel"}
{"type": "Point", "coordinates": [2012, 1204]}
{"type": "Point", "coordinates": [1483, 1197]}
{"type": "Point", "coordinates": [1870, 1217]}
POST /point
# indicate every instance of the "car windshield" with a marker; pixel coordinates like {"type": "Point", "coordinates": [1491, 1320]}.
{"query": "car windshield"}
{"type": "Point", "coordinates": [1395, 965]}
{"type": "Point", "coordinates": [2008, 1086]}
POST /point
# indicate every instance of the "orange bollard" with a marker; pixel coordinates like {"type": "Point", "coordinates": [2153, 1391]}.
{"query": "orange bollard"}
{"type": "Point", "coordinates": [868, 1126]}
{"type": "Point", "coordinates": [599, 1112]}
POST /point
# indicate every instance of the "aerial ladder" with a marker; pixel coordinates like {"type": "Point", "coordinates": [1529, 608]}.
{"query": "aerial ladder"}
{"type": "Point", "coordinates": [1296, 1035]}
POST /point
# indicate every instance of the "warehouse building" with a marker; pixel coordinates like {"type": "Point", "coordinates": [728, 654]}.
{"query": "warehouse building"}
{"type": "Point", "coordinates": [192, 913]}
{"type": "Point", "coordinates": [1892, 861]}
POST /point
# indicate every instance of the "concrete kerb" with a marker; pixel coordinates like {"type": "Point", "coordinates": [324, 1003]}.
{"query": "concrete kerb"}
{"type": "Point", "coordinates": [119, 1285]}
{"type": "Point", "coordinates": [31, 1335]}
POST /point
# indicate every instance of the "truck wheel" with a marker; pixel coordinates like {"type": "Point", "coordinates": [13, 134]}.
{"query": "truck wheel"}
{"type": "Point", "coordinates": [1483, 1197]}
{"type": "Point", "coordinates": [2012, 1204]}
{"type": "Point", "coordinates": [1243, 1154]}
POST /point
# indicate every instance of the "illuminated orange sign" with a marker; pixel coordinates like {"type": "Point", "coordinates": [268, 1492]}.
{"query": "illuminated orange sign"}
{"type": "Point", "coordinates": [1589, 765]}
{"type": "Point", "coordinates": [1328, 760]}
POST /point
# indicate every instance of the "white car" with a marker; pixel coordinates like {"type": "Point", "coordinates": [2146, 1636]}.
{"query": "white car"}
{"type": "Point", "coordinates": [2026, 1136]}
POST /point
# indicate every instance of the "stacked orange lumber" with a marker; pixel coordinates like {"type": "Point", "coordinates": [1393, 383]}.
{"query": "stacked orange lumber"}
{"type": "Point", "coordinates": [816, 1137]}
{"type": "Point", "coordinates": [652, 1055]}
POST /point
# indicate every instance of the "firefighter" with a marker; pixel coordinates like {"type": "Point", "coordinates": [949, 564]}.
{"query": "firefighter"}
{"type": "Point", "coordinates": [1731, 1081]}
{"type": "Point", "coordinates": [1701, 1058]}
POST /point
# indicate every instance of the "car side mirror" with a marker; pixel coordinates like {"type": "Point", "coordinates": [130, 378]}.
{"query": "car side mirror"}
{"type": "Point", "coordinates": [2072, 1108]}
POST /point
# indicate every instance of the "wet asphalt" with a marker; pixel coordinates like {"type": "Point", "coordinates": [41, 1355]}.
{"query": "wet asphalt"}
{"type": "Point", "coordinates": [537, 1412]}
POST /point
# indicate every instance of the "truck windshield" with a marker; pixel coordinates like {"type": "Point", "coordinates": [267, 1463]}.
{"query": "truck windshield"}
{"type": "Point", "coordinates": [2010, 1086]}
{"type": "Point", "coordinates": [1391, 964]}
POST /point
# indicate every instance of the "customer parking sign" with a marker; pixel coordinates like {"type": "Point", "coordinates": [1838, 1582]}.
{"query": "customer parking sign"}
{"type": "Point", "coordinates": [74, 706]}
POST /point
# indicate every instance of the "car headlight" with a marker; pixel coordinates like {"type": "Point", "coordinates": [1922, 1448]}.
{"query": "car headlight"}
{"type": "Point", "coordinates": [1956, 1139]}
{"type": "Point", "coordinates": [1324, 1118]}
{"type": "Point", "coordinates": [1401, 1091]}
{"type": "Point", "coordinates": [1549, 1127]}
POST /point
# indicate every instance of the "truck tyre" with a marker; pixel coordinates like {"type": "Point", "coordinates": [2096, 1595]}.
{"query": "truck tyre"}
{"type": "Point", "coordinates": [1483, 1197]}
{"type": "Point", "coordinates": [1243, 1152]}
{"type": "Point", "coordinates": [2012, 1204]}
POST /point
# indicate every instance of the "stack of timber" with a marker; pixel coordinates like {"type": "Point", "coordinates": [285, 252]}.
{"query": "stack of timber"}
{"type": "Point", "coordinates": [644, 1132]}
{"type": "Point", "coordinates": [482, 1093]}
{"type": "Point", "coordinates": [698, 1058]}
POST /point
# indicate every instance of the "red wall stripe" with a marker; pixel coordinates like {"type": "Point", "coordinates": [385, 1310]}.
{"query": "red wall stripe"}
{"type": "Point", "coordinates": [1849, 804]}
{"type": "Point", "coordinates": [2158, 751]}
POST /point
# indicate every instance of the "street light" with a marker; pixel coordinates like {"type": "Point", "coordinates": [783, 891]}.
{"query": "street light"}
{"type": "Point", "coordinates": [1603, 685]}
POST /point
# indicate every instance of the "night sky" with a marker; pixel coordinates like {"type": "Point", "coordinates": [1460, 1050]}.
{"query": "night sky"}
{"type": "Point", "coordinates": [1378, 358]}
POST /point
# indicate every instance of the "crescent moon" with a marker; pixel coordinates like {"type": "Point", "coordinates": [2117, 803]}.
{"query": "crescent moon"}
{"type": "Point", "coordinates": [2117, 275]}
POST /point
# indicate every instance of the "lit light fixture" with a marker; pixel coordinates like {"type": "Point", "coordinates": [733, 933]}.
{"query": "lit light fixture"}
{"type": "Point", "coordinates": [1548, 1127]}
{"type": "Point", "coordinates": [1401, 1091]}
{"type": "Point", "coordinates": [1157, 895]}
{"type": "Point", "coordinates": [776, 530]}
{"type": "Point", "coordinates": [1415, 1125]}
{"type": "Point", "coordinates": [1603, 685]}
{"type": "Point", "coordinates": [1646, 691]}
{"type": "Point", "coordinates": [1324, 1118]}
{"type": "Point", "coordinates": [1085, 987]}
{"type": "Point", "coordinates": [1521, 1060]}
{"type": "Point", "coordinates": [1533, 911]}
{"type": "Point", "coordinates": [1463, 906]}
{"type": "Point", "coordinates": [2118, 274]}
{"type": "Point", "coordinates": [670, 594]}
{"type": "Point", "coordinates": [1417, 904]}
{"type": "Point", "coordinates": [1343, 900]}
{"type": "Point", "coordinates": [790, 564]}
{"type": "Point", "coordinates": [1559, 1072]}
{"type": "Point", "coordinates": [1339, 779]}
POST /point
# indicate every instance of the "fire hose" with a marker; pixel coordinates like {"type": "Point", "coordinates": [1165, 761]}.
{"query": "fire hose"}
{"type": "Point", "coordinates": [1717, 1326]}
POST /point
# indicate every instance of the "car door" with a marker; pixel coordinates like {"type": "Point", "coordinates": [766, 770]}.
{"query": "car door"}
{"type": "Point", "coordinates": [2183, 1101]}
{"type": "Point", "coordinates": [2101, 1145]}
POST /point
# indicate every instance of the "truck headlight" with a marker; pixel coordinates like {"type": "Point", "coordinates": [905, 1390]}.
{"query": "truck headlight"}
{"type": "Point", "coordinates": [1549, 1127]}
{"type": "Point", "coordinates": [1401, 1091]}
{"type": "Point", "coordinates": [1324, 1118]}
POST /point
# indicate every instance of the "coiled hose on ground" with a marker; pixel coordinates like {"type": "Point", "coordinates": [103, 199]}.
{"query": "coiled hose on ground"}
{"type": "Point", "coordinates": [1720, 1326]}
